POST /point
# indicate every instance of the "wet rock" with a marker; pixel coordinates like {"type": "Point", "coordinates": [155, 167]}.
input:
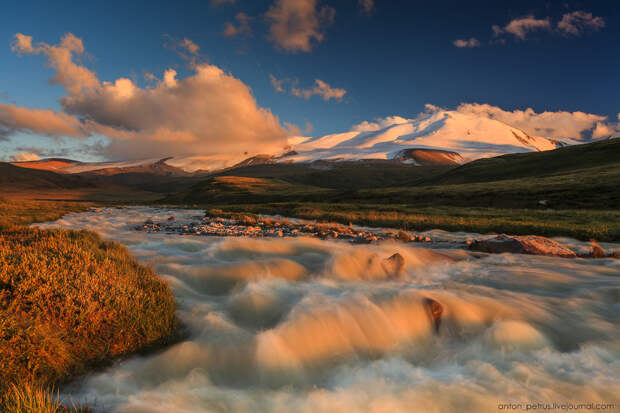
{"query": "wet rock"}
{"type": "Point", "coordinates": [435, 311]}
{"type": "Point", "coordinates": [403, 236]}
{"type": "Point", "coordinates": [528, 244]}
{"type": "Point", "coordinates": [596, 251]}
{"type": "Point", "coordinates": [393, 265]}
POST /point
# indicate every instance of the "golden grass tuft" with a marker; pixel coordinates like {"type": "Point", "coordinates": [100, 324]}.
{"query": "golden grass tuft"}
{"type": "Point", "coordinates": [70, 302]}
{"type": "Point", "coordinates": [36, 399]}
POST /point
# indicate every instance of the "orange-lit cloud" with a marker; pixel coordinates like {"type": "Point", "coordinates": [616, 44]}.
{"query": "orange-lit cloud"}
{"type": "Point", "coordinates": [207, 112]}
{"type": "Point", "coordinates": [577, 22]}
{"type": "Point", "coordinates": [522, 26]}
{"type": "Point", "coordinates": [379, 124]}
{"type": "Point", "coordinates": [470, 43]}
{"type": "Point", "coordinates": [278, 84]}
{"type": "Point", "coordinates": [320, 88]}
{"type": "Point", "coordinates": [294, 25]}
{"type": "Point", "coordinates": [43, 121]}
{"type": "Point", "coordinates": [242, 28]}
{"type": "Point", "coordinates": [25, 156]}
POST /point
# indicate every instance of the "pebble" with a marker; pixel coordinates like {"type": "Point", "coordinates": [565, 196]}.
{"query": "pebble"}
{"type": "Point", "coordinates": [224, 227]}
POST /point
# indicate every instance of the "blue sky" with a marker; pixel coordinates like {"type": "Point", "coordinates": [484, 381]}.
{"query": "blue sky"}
{"type": "Point", "coordinates": [391, 58]}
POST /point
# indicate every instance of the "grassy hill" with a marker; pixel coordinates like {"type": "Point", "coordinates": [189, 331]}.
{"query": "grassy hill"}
{"type": "Point", "coordinates": [583, 176]}
{"type": "Point", "coordinates": [240, 189]}
{"type": "Point", "coordinates": [18, 178]}
{"type": "Point", "coordinates": [27, 183]}
{"type": "Point", "coordinates": [602, 156]}
{"type": "Point", "coordinates": [342, 175]}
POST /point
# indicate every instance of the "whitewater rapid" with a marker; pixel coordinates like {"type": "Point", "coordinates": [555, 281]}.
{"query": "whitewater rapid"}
{"type": "Point", "coordinates": [307, 325]}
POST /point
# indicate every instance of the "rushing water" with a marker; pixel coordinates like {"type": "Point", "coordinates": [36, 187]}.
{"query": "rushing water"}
{"type": "Point", "coordinates": [304, 325]}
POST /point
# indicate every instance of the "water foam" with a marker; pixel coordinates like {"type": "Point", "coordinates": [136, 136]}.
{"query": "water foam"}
{"type": "Point", "coordinates": [281, 325]}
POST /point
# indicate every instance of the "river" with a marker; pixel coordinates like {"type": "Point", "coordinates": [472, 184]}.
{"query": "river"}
{"type": "Point", "coordinates": [309, 325]}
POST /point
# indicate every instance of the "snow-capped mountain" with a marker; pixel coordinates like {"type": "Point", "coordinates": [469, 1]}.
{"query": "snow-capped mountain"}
{"type": "Point", "coordinates": [469, 136]}
{"type": "Point", "coordinates": [439, 136]}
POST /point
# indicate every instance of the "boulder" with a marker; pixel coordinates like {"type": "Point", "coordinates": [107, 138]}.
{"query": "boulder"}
{"type": "Point", "coordinates": [528, 244]}
{"type": "Point", "coordinates": [435, 311]}
{"type": "Point", "coordinates": [393, 265]}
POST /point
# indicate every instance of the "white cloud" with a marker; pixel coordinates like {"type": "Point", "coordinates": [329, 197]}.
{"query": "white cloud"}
{"type": "Point", "coordinates": [473, 42]}
{"type": "Point", "coordinates": [294, 25]}
{"type": "Point", "coordinates": [25, 156]}
{"type": "Point", "coordinates": [577, 22]}
{"type": "Point", "coordinates": [560, 124]}
{"type": "Point", "coordinates": [522, 26]}
{"type": "Point", "coordinates": [207, 112]}
{"type": "Point", "coordinates": [320, 88]}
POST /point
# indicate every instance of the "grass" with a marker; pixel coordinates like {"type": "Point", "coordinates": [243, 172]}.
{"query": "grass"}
{"type": "Point", "coordinates": [69, 302]}
{"type": "Point", "coordinates": [584, 225]}
{"type": "Point", "coordinates": [35, 399]}
{"type": "Point", "coordinates": [24, 212]}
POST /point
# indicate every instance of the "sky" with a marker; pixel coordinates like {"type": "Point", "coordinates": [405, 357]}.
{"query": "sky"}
{"type": "Point", "coordinates": [130, 80]}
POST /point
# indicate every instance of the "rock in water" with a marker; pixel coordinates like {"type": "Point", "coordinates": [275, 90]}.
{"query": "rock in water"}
{"type": "Point", "coordinates": [596, 251]}
{"type": "Point", "coordinates": [435, 310]}
{"type": "Point", "coordinates": [393, 265]}
{"type": "Point", "coordinates": [528, 244]}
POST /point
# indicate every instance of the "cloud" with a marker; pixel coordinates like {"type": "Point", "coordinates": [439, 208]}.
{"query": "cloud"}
{"type": "Point", "coordinates": [473, 42]}
{"type": "Point", "coordinates": [73, 77]}
{"type": "Point", "coordinates": [25, 156]}
{"type": "Point", "coordinates": [366, 6]}
{"type": "Point", "coordinates": [320, 88]}
{"type": "Point", "coordinates": [190, 46]}
{"type": "Point", "coordinates": [294, 25]}
{"type": "Point", "coordinates": [577, 22]}
{"type": "Point", "coordinates": [241, 29]}
{"type": "Point", "coordinates": [379, 123]}
{"type": "Point", "coordinates": [278, 84]}
{"type": "Point", "coordinates": [295, 130]}
{"type": "Point", "coordinates": [207, 112]}
{"type": "Point", "coordinates": [216, 3]}
{"type": "Point", "coordinates": [522, 26]}
{"type": "Point", "coordinates": [560, 124]}
{"type": "Point", "coordinates": [42, 121]}
{"type": "Point", "coordinates": [185, 48]}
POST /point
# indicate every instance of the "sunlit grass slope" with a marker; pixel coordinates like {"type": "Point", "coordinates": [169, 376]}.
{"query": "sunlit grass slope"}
{"type": "Point", "coordinates": [69, 302]}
